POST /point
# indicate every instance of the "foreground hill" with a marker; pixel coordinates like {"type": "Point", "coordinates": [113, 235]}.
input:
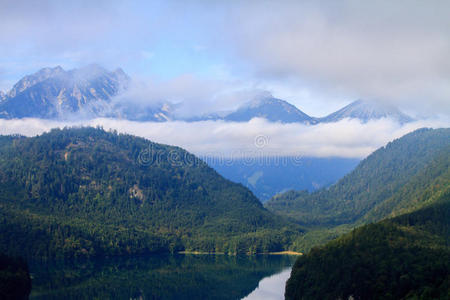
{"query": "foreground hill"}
{"type": "Point", "coordinates": [87, 192]}
{"type": "Point", "coordinates": [406, 257]}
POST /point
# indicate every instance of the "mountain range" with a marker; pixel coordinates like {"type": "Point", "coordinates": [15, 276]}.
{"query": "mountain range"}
{"type": "Point", "coordinates": [88, 92]}
{"type": "Point", "coordinates": [92, 91]}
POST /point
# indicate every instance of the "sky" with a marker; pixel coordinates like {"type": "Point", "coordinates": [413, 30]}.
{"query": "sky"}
{"type": "Point", "coordinates": [318, 55]}
{"type": "Point", "coordinates": [216, 55]}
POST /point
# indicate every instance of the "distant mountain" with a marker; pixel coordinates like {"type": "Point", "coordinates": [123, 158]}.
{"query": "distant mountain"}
{"type": "Point", "coordinates": [159, 112]}
{"type": "Point", "coordinates": [86, 93]}
{"type": "Point", "coordinates": [270, 176]}
{"type": "Point", "coordinates": [55, 93]}
{"type": "Point", "coordinates": [92, 91]}
{"type": "Point", "coordinates": [365, 111]}
{"type": "Point", "coordinates": [86, 192]}
{"type": "Point", "coordinates": [272, 109]}
{"type": "Point", "coordinates": [267, 107]}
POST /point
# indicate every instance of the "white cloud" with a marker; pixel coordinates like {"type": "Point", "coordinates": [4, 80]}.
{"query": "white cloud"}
{"type": "Point", "coordinates": [392, 51]}
{"type": "Point", "coordinates": [190, 94]}
{"type": "Point", "coordinates": [317, 53]}
{"type": "Point", "coordinates": [256, 138]}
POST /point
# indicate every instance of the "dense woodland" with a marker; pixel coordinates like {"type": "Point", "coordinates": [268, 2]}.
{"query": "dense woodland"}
{"type": "Point", "coordinates": [86, 192]}
{"type": "Point", "coordinates": [406, 257]}
{"type": "Point", "coordinates": [405, 175]}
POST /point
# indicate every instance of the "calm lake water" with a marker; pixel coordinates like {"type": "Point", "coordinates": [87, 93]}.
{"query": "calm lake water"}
{"type": "Point", "coordinates": [164, 277]}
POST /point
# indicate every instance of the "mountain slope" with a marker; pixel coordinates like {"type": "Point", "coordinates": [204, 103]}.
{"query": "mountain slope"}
{"type": "Point", "coordinates": [365, 111]}
{"type": "Point", "coordinates": [267, 107]}
{"type": "Point", "coordinates": [55, 93]}
{"type": "Point", "coordinates": [407, 257]}
{"type": "Point", "coordinates": [376, 180]}
{"type": "Point", "coordinates": [92, 91]}
{"type": "Point", "coordinates": [273, 175]}
{"type": "Point", "coordinates": [272, 109]}
{"type": "Point", "coordinates": [402, 257]}
{"type": "Point", "coordinates": [86, 192]}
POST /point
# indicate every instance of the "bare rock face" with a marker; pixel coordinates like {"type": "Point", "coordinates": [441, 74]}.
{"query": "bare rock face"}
{"type": "Point", "coordinates": [92, 92]}
{"type": "Point", "coordinates": [54, 93]}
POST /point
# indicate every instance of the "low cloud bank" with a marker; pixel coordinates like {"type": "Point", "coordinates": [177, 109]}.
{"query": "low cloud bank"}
{"type": "Point", "coordinates": [257, 138]}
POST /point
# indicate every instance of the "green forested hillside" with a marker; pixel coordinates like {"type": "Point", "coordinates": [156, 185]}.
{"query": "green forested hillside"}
{"type": "Point", "coordinates": [406, 254]}
{"type": "Point", "coordinates": [403, 169]}
{"type": "Point", "coordinates": [406, 175]}
{"type": "Point", "coordinates": [87, 192]}
{"type": "Point", "coordinates": [406, 257]}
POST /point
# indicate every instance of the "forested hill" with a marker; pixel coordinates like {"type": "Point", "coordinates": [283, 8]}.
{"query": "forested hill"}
{"type": "Point", "coordinates": [400, 177]}
{"type": "Point", "coordinates": [407, 257]}
{"type": "Point", "coordinates": [87, 192]}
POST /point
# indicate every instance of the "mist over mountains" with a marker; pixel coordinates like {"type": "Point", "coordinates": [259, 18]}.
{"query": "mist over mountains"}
{"type": "Point", "coordinates": [53, 93]}
{"type": "Point", "coordinates": [92, 92]}
{"type": "Point", "coordinates": [316, 151]}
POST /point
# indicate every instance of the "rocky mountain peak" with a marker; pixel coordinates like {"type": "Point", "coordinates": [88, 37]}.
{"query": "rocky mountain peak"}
{"type": "Point", "coordinates": [56, 93]}
{"type": "Point", "coordinates": [30, 80]}
{"type": "Point", "coordinates": [366, 110]}
{"type": "Point", "coordinates": [272, 109]}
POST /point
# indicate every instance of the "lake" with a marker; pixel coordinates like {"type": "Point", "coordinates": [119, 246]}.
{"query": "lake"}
{"type": "Point", "coordinates": [164, 277]}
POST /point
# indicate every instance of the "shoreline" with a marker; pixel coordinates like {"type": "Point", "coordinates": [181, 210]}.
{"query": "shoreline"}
{"type": "Point", "coordinates": [201, 253]}
{"type": "Point", "coordinates": [284, 253]}
{"type": "Point", "coordinates": [247, 254]}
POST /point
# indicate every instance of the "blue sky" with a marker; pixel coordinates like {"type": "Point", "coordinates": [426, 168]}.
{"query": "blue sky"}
{"type": "Point", "coordinates": [318, 55]}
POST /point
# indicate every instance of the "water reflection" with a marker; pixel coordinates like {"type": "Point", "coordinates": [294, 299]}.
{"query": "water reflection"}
{"type": "Point", "coordinates": [272, 287]}
{"type": "Point", "coordinates": [156, 277]}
